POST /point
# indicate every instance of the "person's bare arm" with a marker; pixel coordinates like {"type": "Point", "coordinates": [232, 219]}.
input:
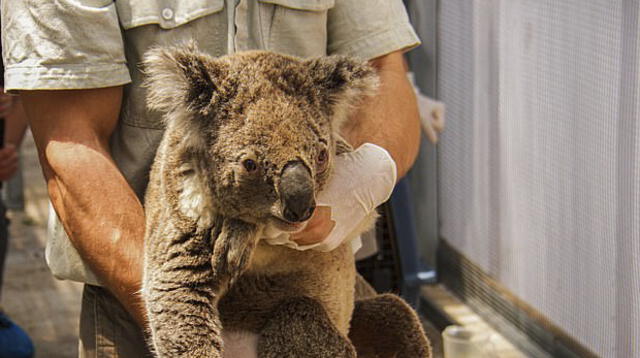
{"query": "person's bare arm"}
{"type": "Point", "coordinates": [390, 119]}
{"type": "Point", "coordinates": [16, 123]}
{"type": "Point", "coordinates": [97, 207]}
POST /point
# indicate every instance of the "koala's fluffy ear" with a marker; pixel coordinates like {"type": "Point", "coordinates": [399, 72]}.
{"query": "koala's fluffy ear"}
{"type": "Point", "coordinates": [343, 83]}
{"type": "Point", "coordinates": [183, 78]}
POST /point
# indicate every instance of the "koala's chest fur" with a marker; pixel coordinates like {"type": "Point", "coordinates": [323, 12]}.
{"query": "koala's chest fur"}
{"type": "Point", "coordinates": [277, 273]}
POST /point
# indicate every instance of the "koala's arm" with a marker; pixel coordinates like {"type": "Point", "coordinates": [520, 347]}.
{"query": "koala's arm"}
{"type": "Point", "coordinates": [186, 273]}
{"type": "Point", "coordinates": [97, 207]}
{"type": "Point", "coordinates": [393, 108]}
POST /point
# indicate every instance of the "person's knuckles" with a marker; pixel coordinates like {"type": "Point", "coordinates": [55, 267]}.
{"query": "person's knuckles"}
{"type": "Point", "coordinates": [321, 216]}
{"type": "Point", "coordinates": [308, 241]}
{"type": "Point", "coordinates": [309, 237]}
{"type": "Point", "coordinates": [6, 168]}
{"type": "Point", "coordinates": [327, 229]}
{"type": "Point", "coordinates": [312, 231]}
{"type": "Point", "coordinates": [318, 234]}
{"type": "Point", "coordinates": [8, 155]}
{"type": "Point", "coordinates": [8, 160]}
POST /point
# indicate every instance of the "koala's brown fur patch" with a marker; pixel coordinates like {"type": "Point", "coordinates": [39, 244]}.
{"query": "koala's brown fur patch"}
{"type": "Point", "coordinates": [250, 140]}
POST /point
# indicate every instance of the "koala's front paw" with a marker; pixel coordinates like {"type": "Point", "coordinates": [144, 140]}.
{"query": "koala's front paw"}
{"type": "Point", "coordinates": [189, 345]}
{"type": "Point", "coordinates": [232, 250]}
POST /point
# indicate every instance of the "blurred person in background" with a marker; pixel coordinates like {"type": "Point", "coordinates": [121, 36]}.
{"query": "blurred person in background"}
{"type": "Point", "coordinates": [14, 342]}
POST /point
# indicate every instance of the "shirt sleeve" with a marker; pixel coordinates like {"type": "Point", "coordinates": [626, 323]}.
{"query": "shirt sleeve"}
{"type": "Point", "coordinates": [369, 28]}
{"type": "Point", "coordinates": [62, 44]}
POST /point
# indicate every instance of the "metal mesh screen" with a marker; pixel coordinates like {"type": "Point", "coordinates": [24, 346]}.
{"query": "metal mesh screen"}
{"type": "Point", "coordinates": [540, 163]}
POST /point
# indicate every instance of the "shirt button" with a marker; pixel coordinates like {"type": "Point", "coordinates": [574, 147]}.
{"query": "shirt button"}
{"type": "Point", "coordinates": [167, 13]}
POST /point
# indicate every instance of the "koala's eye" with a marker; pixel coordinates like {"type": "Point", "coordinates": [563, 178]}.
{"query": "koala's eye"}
{"type": "Point", "coordinates": [250, 165]}
{"type": "Point", "coordinates": [322, 159]}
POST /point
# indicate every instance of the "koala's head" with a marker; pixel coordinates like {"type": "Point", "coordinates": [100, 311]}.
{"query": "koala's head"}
{"type": "Point", "coordinates": [252, 135]}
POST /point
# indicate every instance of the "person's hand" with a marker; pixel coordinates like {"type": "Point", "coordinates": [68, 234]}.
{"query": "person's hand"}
{"type": "Point", "coordinates": [317, 229]}
{"type": "Point", "coordinates": [361, 181]}
{"type": "Point", "coordinates": [431, 113]}
{"type": "Point", "coordinates": [6, 103]}
{"type": "Point", "coordinates": [431, 116]}
{"type": "Point", "coordinates": [8, 162]}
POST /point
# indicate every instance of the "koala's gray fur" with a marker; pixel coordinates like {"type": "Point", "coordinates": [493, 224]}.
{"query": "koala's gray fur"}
{"type": "Point", "coordinates": [248, 138]}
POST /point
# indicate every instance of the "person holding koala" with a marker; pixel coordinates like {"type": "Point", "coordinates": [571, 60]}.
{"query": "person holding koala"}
{"type": "Point", "coordinates": [78, 72]}
{"type": "Point", "coordinates": [14, 341]}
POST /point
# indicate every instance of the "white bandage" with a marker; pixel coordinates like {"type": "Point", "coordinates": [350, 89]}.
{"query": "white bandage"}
{"type": "Point", "coordinates": [361, 181]}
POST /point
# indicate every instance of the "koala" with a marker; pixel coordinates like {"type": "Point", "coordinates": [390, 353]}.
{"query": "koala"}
{"type": "Point", "coordinates": [249, 142]}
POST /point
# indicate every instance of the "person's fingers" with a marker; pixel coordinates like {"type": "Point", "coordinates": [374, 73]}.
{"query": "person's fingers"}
{"type": "Point", "coordinates": [6, 104]}
{"type": "Point", "coordinates": [438, 118]}
{"type": "Point", "coordinates": [429, 131]}
{"type": "Point", "coordinates": [7, 172]}
{"type": "Point", "coordinates": [10, 161]}
{"type": "Point", "coordinates": [8, 153]}
{"type": "Point", "coordinates": [321, 214]}
{"type": "Point", "coordinates": [314, 235]}
{"type": "Point", "coordinates": [318, 228]}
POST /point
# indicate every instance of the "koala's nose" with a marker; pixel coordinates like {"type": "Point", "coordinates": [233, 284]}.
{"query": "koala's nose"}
{"type": "Point", "coordinates": [297, 192]}
{"type": "Point", "coordinates": [298, 216]}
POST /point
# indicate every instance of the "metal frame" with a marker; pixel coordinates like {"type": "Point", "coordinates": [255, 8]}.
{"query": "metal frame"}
{"type": "Point", "coordinates": [417, 240]}
{"type": "Point", "coordinates": [423, 178]}
{"type": "Point", "coordinates": [413, 270]}
{"type": "Point", "coordinates": [516, 320]}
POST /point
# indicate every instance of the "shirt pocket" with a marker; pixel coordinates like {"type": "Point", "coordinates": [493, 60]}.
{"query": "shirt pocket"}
{"type": "Point", "coordinates": [167, 14]}
{"type": "Point", "coordinates": [296, 27]}
{"type": "Point", "coordinates": [150, 23]}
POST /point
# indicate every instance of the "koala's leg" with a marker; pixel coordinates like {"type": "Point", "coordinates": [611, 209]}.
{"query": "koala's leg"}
{"type": "Point", "coordinates": [301, 328]}
{"type": "Point", "coordinates": [180, 298]}
{"type": "Point", "coordinates": [385, 326]}
{"type": "Point", "coordinates": [185, 281]}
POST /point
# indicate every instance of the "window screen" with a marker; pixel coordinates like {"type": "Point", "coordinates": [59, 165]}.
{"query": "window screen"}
{"type": "Point", "coordinates": [539, 179]}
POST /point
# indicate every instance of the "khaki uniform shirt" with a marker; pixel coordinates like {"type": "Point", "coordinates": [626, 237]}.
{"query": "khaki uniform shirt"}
{"type": "Point", "coordinates": [79, 44]}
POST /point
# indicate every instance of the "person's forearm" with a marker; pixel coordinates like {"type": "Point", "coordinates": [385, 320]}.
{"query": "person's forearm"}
{"type": "Point", "coordinates": [102, 217]}
{"type": "Point", "coordinates": [16, 124]}
{"type": "Point", "coordinates": [98, 209]}
{"type": "Point", "coordinates": [390, 119]}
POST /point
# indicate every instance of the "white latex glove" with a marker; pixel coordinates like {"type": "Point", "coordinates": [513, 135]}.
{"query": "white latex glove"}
{"type": "Point", "coordinates": [361, 181]}
{"type": "Point", "coordinates": [431, 113]}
